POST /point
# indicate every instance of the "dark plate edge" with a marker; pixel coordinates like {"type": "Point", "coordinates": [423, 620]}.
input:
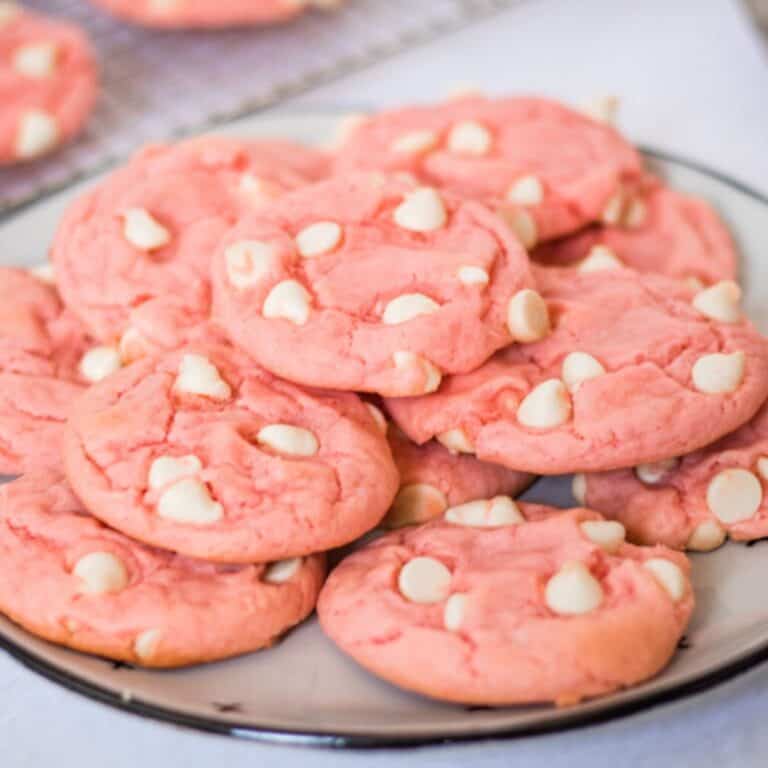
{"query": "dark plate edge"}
{"type": "Point", "coordinates": [370, 741]}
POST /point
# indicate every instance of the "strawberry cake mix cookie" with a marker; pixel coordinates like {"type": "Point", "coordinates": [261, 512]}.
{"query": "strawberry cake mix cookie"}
{"type": "Point", "coordinates": [663, 231]}
{"type": "Point", "coordinates": [48, 83]}
{"type": "Point", "coordinates": [502, 603]}
{"type": "Point", "coordinates": [201, 452]}
{"type": "Point", "coordinates": [374, 284]}
{"type": "Point", "coordinates": [71, 580]}
{"type": "Point", "coordinates": [147, 232]}
{"type": "Point", "coordinates": [210, 13]}
{"type": "Point", "coordinates": [637, 368]}
{"type": "Point", "coordinates": [45, 360]}
{"type": "Point", "coordinates": [695, 501]}
{"type": "Point", "coordinates": [434, 477]}
{"type": "Point", "coordinates": [548, 169]}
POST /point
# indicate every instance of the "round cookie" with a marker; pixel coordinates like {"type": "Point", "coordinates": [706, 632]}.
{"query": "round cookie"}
{"type": "Point", "coordinates": [433, 478]}
{"type": "Point", "coordinates": [48, 83]}
{"type": "Point", "coordinates": [502, 603]}
{"type": "Point", "coordinates": [665, 231]}
{"type": "Point", "coordinates": [637, 369]}
{"type": "Point", "coordinates": [71, 580]}
{"type": "Point", "coordinates": [210, 13]}
{"type": "Point", "coordinates": [695, 501]}
{"type": "Point", "coordinates": [146, 233]}
{"type": "Point", "coordinates": [548, 169]}
{"type": "Point", "coordinates": [41, 348]}
{"type": "Point", "coordinates": [372, 284]}
{"type": "Point", "coordinates": [201, 452]}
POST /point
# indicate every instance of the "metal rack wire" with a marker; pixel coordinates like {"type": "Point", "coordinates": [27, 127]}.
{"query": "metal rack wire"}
{"type": "Point", "coordinates": [159, 84]}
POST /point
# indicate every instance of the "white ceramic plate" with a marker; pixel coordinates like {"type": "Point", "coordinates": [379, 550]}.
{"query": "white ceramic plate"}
{"type": "Point", "coordinates": [304, 690]}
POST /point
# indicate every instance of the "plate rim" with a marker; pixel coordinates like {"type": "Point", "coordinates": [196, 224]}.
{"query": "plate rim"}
{"type": "Point", "coordinates": [363, 740]}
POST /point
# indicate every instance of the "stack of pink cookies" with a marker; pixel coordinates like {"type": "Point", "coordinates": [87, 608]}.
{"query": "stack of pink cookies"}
{"type": "Point", "coordinates": [247, 354]}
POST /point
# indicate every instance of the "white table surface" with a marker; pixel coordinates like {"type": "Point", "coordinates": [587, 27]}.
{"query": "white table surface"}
{"type": "Point", "coordinates": [693, 78]}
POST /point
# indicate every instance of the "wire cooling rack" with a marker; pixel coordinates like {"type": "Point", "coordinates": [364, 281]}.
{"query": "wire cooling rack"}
{"type": "Point", "coordinates": [160, 84]}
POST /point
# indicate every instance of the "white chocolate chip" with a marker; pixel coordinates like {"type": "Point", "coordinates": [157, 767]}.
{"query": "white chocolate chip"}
{"type": "Point", "coordinates": [347, 126]}
{"type": "Point", "coordinates": [668, 575]}
{"type": "Point", "coordinates": [527, 190]}
{"type": "Point", "coordinates": [257, 190]}
{"type": "Point", "coordinates": [579, 489]}
{"type": "Point", "coordinates": [473, 276]}
{"type": "Point", "coordinates": [608, 534]}
{"type": "Point", "coordinates": [8, 11]}
{"type": "Point", "coordinates": [288, 300]}
{"type": "Point", "coordinates": [453, 613]}
{"type": "Point", "coordinates": [718, 373]}
{"type": "Point", "coordinates": [100, 573]}
{"type": "Point", "coordinates": [99, 362]}
{"type": "Point", "coordinates": [635, 213]}
{"type": "Point", "coordinates": [604, 109]}
{"type": "Point", "coordinates": [706, 536]}
{"type": "Point", "coordinates": [407, 307]}
{"type": "Point", "coordinates": [762, 467]}
{"type": "Point", "coordinates": [188, 501]}
{"type": "Point", "coordinates": [288, 440]}
{"type": "Point", "coordinates": [470, 138]}
{"type": "Point", "coordinates": [599, 258]}
{"type": "Point", "coordinates": [573, 590]}
{"type": "Point", "coordinates": [378, 417]}
{"type": "Point", "coordinates": [44, 272]}
{"type": "Point", "coordinates": [36, 60]}
{"type": "Point", "coordinates": [579, 367]}
{"type": "Point", "coordinates": [424, 580]}
{"type": "Point", "coordinates": [456, 441]}
{"type": "Point", "coordinates": [416, 503]}
{"type": "Point", "coordinates": [721, 301]}
{"type": "Point", "coordinates": [282, 570]}
{"type": "Point", "coordinates": [133, 345]}
{"type": "Point", "coordinates": [734, 495]}
{"type": "Point", "coordinates": [486, 513]}
{"type": "Point", "coordinates": [249, 261]}
{"type": "Point", "coordinates": [145, 644]}
{"type": "Point", "coordinates": [143, 231]}
{"type": "Point", "coordinates": [614, 208]}
{"type": "Point", "coordinates": [523, 225]}
{"type": "Point", "coordinates": [432, 375]}
{"type": "Point", "coordinates": [167, 469]}
{"type": "Point", "coordinates": [654, 472]}
{"type": "Point", "coordinates": [546, 406]}
{"type": "Point", "coordinates": [528, 316]}
{"type": "Point", "coordinates": [199, 376]}
{"type": "Point", "coordinates": [319, 238]}
{"type": "Point", "coordinates": [422, 210]}
{"type": "Point", "coordinates": [38, 133]}
{"type": "Point", "coordinates": [415, 143]}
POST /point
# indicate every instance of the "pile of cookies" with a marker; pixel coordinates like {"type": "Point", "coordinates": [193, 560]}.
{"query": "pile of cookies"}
{"type": "Point", "coordinates": [247, 354]}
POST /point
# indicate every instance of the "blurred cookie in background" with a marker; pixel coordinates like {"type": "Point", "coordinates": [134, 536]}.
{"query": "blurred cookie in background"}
{"type": "Point", "coordinates": [48, 83]}
{"type": "Point", "coordinates": [210, 13]}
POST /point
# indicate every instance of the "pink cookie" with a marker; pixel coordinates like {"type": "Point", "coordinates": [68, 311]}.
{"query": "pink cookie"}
{"type": "Point", "coordinates": [209, 13]}
{"type": "Point", "coordinates": [693, 502]}
{"type": "Point", "coordinates": [548, 169]}
{"type": "Point", "coordinates": [372, 284]}
{"type": "Point", "coordinates": [201, 452]}
{"type": "Point", "coordinates": [41, 347]}
{"type": "Point", "coordinates": [71, 580]}
{"type": "Point", "coordinates": [637, 369]}
{"type": "Point", "coordinates": [48, 83]}
{"type": "Point", "coordinates": [147, 232]}
{"type": "Point", "coordinates": [433, 478]}
{"type": "Point", "coordinates": [665, 232]}
{"type": "Point", "coordinates": [503, 604]}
